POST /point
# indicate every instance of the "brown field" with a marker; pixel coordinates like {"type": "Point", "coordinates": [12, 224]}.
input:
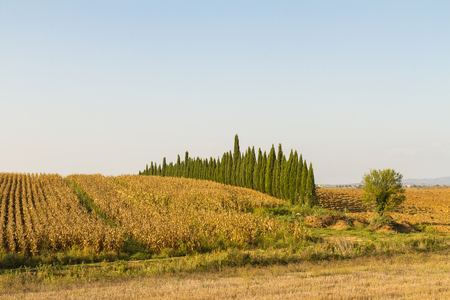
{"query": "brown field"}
{"type": "Point", "coordinates": [430, 207]}
{"type": "Point", "coordinates": [407, 276]}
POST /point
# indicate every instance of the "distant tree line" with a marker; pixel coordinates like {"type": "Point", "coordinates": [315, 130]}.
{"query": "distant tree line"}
{"type": "Point", "coordinates": [275, 174]}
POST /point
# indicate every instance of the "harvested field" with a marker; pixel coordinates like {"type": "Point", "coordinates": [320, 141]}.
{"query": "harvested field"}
{"type": "Point", "coordinates": [430, 207]}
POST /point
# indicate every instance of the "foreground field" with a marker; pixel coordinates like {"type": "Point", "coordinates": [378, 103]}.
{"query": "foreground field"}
{"type": "Point", "coordinates": [429, 207]}
{"type": "Point", "coordinates": [407, 276]}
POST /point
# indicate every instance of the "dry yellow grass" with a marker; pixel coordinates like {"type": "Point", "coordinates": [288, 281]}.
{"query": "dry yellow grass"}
{"type": "Point", "coordinates": [410, 276]}
{"type": "Point", "coordinates": [430, 206]}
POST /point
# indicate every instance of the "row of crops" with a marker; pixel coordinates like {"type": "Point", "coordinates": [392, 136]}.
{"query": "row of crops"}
{"type": "Point", "coordinates": [43, 212]}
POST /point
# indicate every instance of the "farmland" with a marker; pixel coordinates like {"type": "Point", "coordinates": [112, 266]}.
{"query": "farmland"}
{"type": "Point", "coordinates": [69, 231]}
{"type": "Point", "coordinates": [430, 207]}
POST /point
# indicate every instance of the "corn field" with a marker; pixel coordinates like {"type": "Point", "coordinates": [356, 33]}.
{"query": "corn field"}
{"type": "Point", "coordinates": [173, 213]}
{"type": "Point", "coordinates": [41, 212]}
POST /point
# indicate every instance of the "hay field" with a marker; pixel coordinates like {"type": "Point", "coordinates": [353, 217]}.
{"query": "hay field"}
{"type": "Point", "coordinates": [428, 206]}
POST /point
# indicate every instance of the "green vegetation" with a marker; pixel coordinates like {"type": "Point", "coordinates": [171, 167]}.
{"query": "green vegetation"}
{"type": "Point", "coordinates": [383, 189]}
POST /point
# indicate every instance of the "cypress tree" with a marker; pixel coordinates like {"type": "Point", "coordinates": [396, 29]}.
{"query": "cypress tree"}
{"type": "Point", "coordinates": [223, 164]}
{"type": "Point", "coordinates": [209, 174]}
{"type": "Point", "coordinates": [164, 167]}
{"type": "Point", "coordinates": [230, 168]}
{"type": "Point", "coordinates": [146, 170]}
{"type": "Point", "coordinates": [186, 165]}
{"type": "Point", "coordinates": [177, 167]}
{"type": "Point", "coordinates": [262, 173]}
{"type": "Point", "coordinates": [311, 188]}
{"type": "Point", "coordinates": [303, 184]}
{"type": "Point", "coordinates": [236, 157]}
{"type": "Point", "coordinates": [242, 172]}
{"type": "Point", "coordinates": [269, 171]}
{"type": "Point", "coordinates": [285, 179]}
{"type": "Point", "coordinates": [298, 179]}
{"type": "Point", "coordinates": [216, 169]}
{"type": "Point", "coordinates": [293, 176]}
{"type": "Point", "coordinates": [275, 181]}
{"type": "Point", "coordinates": [278, 177]}
{"type": "Point", "coordinates": [169, 171]}
{"type": "Point", "coordinates": [250, 167]}
{"type": "Point", "coordinates": [256, 180]}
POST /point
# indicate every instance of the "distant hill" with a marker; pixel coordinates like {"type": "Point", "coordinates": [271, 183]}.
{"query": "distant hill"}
{"type": "Point", "coordinates": [428, 181]}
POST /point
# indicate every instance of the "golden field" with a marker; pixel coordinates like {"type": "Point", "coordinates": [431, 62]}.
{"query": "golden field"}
{"type": "Point", "coordinates": [425, 206]}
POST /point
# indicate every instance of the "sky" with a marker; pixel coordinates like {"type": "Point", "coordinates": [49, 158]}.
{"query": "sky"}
{"type": "Point", "coordinates": [109, 86]}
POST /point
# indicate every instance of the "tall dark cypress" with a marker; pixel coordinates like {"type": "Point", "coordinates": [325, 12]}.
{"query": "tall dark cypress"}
{"type": "Point", "coordinates": [236, 157]}
{"type": "Point", "coordinates": [298, 180]}
{"type": "Point", "coordinates": [278, 177]}
{"type": "Point", "coordinates": [269, 171]}
{"type": "Point", "coordinates": [275, 182]}
{"type": "Point", "coordinates": [223, 166]}
{"type": "Point", "coordinates": [293, 177]}
{"type": "Point", "coordinates": [216, 170]}
{"type": "Point", "coordinates": [177, 167]}
{"type": "Point", "coordinates": [256, 179]}
{"type": "Point", "coordinates": [230, 168]}
{"type": "Point", "coordinates": [285, 179]}
{"type": "Point", "coordinates": [310, 188]}
{"type": "Point", "coordinates": [303, 184]}
{"type": "Point", "coordinates": [186, 165]}
{"type": "Point", "coordinates": [250, 168]}
{"type": "Point", "coordinates": [262, 173]}
{"type": "Point", "coordinates": [164, 167]}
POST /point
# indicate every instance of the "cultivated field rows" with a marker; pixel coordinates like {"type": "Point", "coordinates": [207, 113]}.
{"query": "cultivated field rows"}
{"type": "Point", "coordinates": [430, 206]}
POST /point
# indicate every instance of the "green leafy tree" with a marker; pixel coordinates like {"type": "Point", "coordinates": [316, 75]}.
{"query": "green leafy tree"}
{"type": "Point", "coordinates": [383, 189]}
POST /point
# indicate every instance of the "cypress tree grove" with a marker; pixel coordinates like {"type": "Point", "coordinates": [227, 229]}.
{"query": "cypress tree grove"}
{"type": "Point", "coordinates": [272, 173]}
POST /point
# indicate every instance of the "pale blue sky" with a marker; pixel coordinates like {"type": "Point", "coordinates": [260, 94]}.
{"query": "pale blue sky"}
{"type": "Point", "coordinates": [108, 86]}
